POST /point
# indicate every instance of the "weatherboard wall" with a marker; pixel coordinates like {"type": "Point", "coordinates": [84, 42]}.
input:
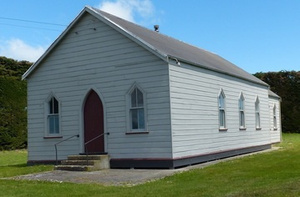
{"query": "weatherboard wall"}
{"type": "Point", "coordinates": [92, 55]}
{"type": "Point", "coordinates": [181, 100]}
{"type": "Point", "coordinates": [275, 131]}
{"type": "Point", "coordinates": [194, 110]}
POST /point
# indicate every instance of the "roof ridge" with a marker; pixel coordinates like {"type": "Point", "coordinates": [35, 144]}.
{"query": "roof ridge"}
{"type": "Point", "coordinates": [159, 44]}
{"type": "Point", "coordinates": [179, 49]}
{"type": "Point", "coordinates": [161, 34]}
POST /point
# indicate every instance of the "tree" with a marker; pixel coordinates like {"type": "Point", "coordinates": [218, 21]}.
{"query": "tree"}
{"type": "Point", "coordinates": [13, 101]}
{"type": "Point", "coordinates": [287, 85]}
{"type": "Point", "coordinates": [13, 129]}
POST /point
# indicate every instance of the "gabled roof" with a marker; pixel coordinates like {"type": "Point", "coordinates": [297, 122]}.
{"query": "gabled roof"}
{"type": "Point", "coordinates": [161, 45]}
{"type": "Point", "coordinates": [273, 94]}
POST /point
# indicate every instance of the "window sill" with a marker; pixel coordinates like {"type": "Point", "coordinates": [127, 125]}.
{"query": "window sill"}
{"type": "Point", "coordinates": [258, 128]}
{"type": "Point", "coordinates": [243, 128]}
{"type": "Point", "coordinates": [136, 132]}
{"type": "Point", "coordinates": [223, 129]}
{"type": "Point", "coordinates": [53, 137]}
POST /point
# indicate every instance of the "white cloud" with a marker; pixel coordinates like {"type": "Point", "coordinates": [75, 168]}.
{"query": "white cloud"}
{"type": "Point", "coordinates": [129, 9]}
{"type": "Point", "coordinates": [19, 50]}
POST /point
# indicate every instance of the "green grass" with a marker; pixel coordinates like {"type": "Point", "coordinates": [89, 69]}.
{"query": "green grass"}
{"type": "Point", "coordinates": [275, 173]}
{"type": "Point", "coordinates": [13, 163]}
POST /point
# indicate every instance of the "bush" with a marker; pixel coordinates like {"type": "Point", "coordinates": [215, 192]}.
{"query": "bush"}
{"type": "Point", "coordinates": [13, 129]}
{"type": "Point", "coordinates": [13, 101]}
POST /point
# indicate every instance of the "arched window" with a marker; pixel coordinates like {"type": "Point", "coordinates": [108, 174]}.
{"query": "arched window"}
{"type": "Point", "coordinates": [222, 111]}
{"type": "Point", "coordinates": [257, 113]}
{"type": "Point", "coordinates": [53, 116]}
{"type": "Point", "coordinates": [274, 117]}
{"type": "Point", "coordinates": [242, 112]}
{"type": "Point", "coordinates": [137, 110]}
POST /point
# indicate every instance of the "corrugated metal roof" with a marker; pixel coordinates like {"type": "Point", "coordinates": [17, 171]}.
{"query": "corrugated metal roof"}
{"type": "Point", "coordinates": [160, 44]}
{"type": "Point", "coordinates": [182, 51]}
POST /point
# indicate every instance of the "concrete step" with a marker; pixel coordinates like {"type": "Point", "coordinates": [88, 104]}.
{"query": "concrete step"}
{"type": "Point", "coordinates": [78, 162]}
{"type": "Point", "coordinates": [86, 157]}
{"type": "Point", "coordinates": [84, 163]}
{"type": "Point", "coordinates": [74, 168]}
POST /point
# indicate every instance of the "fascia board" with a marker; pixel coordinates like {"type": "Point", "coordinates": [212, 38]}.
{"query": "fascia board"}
{"type": "Point", "coordinates": [57, 40]}
{"type": "Point", "coordinates": [128, 34]}
{"type": "Point", "coordinates": [215, 70]}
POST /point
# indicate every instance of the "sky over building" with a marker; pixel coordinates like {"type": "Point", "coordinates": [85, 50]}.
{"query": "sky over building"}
{"type": "Point", "coordinates": [255, 35]}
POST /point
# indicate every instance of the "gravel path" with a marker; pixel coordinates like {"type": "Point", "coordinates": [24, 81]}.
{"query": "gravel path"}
{"type": "Point", "coordinates": [104, 177]}
{"type": "Point", "coordinates": [116, 176]}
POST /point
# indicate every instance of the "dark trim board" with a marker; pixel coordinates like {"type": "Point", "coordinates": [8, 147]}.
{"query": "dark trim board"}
{"type": "Point", "coordinates": [181, 162]}
{"type": "Point", "coordinates": [94, 153]}
{"type": "Point", "coordinates": [218, 155]}
{"type": "Point", "coordinates": [141, 163]}
{"type": "Point", "coordinates": [161, 163]}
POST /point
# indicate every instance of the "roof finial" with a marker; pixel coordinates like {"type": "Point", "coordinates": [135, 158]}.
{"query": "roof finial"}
{"type": "Point", "coordinates": [156, 27]}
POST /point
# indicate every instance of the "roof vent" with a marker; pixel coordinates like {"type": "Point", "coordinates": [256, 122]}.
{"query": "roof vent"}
{"type": "Point", "coordinates": [156, 27]}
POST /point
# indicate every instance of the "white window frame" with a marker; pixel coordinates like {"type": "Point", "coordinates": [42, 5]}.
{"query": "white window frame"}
{"type": "Point", "coordinates": [222, 111]}
{"type": "Point", "coordinates": [274, 117]}
{"type": "Point", "coordinates": [257, 114]}
{"type": "Point", "coordinates": [242, 118]}
{"type": "Point", "coordinates": [130, 109]}
{"type": "Point", "coordinates": [56, 113]}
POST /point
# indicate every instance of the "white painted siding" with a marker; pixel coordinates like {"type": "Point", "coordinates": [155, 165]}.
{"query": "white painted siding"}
{"type": "Point", "coordinates": [194, 111]}
{"type": "Point", "coordinates": [94, 56]}
{"type": "Point", "coordinates": [275, 132]}
{"type": "Point", "coordinates": [110, 63]}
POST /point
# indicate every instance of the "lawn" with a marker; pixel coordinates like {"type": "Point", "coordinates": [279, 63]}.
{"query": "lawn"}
{"type": "Point", "coordinates": [275, 173]}
{"type": "Point", "coordinates": [13, 163]}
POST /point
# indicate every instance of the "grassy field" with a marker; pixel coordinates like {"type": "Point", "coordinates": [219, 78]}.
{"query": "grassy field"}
{"type": "Point", "coordinates": [13, 163]}
{"type": "Point", "coordinates": [275, 173]}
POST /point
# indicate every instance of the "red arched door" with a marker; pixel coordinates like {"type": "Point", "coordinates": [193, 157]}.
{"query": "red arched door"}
{"type": "Point", "coordinates": [93, 123]}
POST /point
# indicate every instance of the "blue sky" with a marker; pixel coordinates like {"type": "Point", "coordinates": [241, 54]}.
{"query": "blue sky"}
{"type": "Point", "coordinates": [256, 35]}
